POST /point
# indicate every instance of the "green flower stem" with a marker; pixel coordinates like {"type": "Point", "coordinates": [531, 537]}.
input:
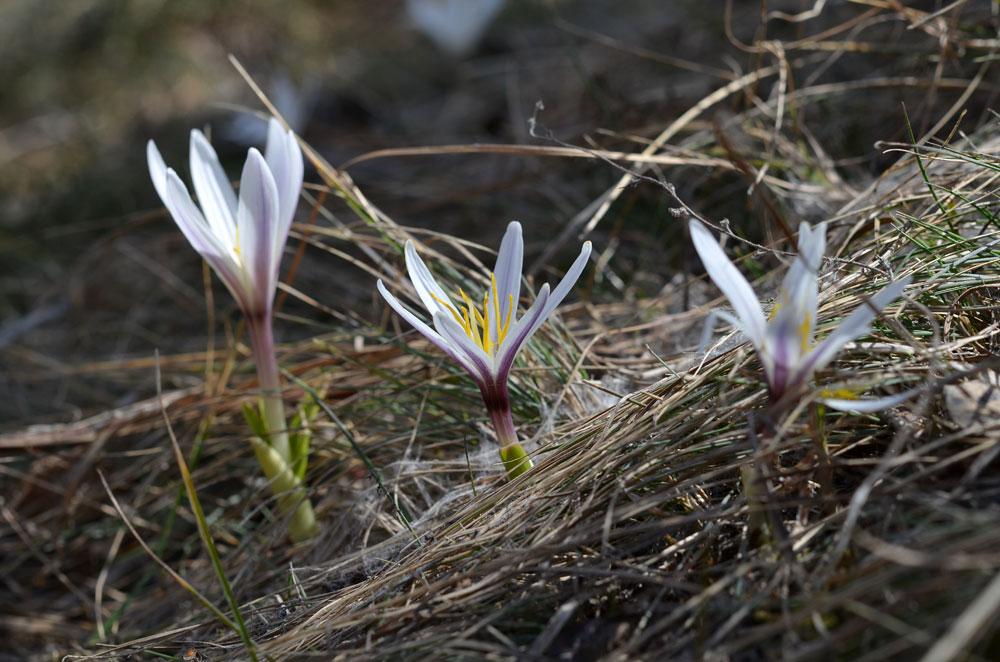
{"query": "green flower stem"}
{"type": "Point", "coordinates": [291, 493]}
{"type": "Point", "coordinates": [262, 342]}
{"type": "Point", "coordinates": [515, 460]}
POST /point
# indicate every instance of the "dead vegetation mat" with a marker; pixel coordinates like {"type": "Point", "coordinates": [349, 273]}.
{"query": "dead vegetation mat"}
{"type": "Point", "coordinates": [630, 538]}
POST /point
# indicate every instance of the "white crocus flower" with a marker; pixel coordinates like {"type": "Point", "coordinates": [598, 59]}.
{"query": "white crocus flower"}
{"type": "Point", "coordinates": [485, 342]}
{"type": "Point", "coordinates": [785, 344]}
{"type": "Point", "coordinates": [243, 238]}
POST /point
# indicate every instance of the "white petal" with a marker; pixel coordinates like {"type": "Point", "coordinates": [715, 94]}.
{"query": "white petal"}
{"type": "Point", "coordinates": [157, 170]}
{"type": "Point", "coordinates": [732, 283]}
{"type": "Point", "coordinates": [855, 325]}
{"type": "Point", "coordinates": [215, 193]}
{"type": "Point", "coordinates": [424, 282]}
{"type": "Point", "coordinates": [800, 288]}
{"type": "Point", "coordinates": [508, 268]}
{"type": "Point", "coordinates": [197, 232]}
{"type": "Point", "coordinates": [521, 332]}
{"type": "Point", "coordinates": [568, 281]}
{"type": "Point", "coordinates": [428, 332]}
{"type": "Point", "coordinates": [257, 219]}
{"type": "Point", "coordinates": [869, 405]}
{"type": "Point", "coordinates": [284, 159]}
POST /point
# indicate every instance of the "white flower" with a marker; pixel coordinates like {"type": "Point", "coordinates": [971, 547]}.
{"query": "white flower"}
{"type": "Point", "coordinates": [454, 25]}
{"type": "Point", "coordinates": [785, 345]}
{"type": "Point", "coordinates": [485, 342]}
{"type": "Point", "coordinates": [241, 238]}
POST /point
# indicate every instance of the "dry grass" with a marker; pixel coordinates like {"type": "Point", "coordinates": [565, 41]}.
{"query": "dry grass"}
{"type": "Point", "coordinates": [629, 540]}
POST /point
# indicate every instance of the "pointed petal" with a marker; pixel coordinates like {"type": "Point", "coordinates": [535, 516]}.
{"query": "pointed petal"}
{"type": "Point", "coordinates": [257, 219]}
{"type": "Point", "coordinates": [428, 332]}
{"type": "Point", "coordinates": [157, 170]}
{"type": "Point", "coordinates": [732, 283]}
{"type": "Point", "coordinates": [284, 159]}
{"type": "Point", "coordinates": [869, 405]}
{"type": "Point", "coordinates": [521, 332]}
{"type": "Point", "coordinates": [800, 288]}
{"type": "Point", "coordinates": [215, 193]}
{"type": "Point", "coordinates": [196, 230]}
{"type": "Point", "coordinates": [854, 326]}
{"type": "Point", "coordinates": [424, 282]}
{"type": "Point", "coordinates": [568, 281]}
{"type": "Point", "coordinates": [508, 268]}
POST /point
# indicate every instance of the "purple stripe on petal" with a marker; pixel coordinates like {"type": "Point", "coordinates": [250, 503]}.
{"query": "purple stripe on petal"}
{"type": "Point", "coordinates": [455, 335]}
{"type": "Point", "coordinates": [520, 333]}
{"type": "Point", "coordinates": [429, 333]}
{"type": "Point", "coordinates": [257, 218]}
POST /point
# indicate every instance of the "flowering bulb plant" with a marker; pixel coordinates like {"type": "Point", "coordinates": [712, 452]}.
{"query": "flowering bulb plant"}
{"type": "Point", "coordinates": [486, 340]}
{"type": "Point", "coordinates": [242, 238]}
{"type": "Point", "coordinates": [785, 344]}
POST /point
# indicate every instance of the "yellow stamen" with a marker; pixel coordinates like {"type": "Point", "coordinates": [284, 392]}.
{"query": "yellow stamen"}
{"type": "Point", "coordinates": [473, 329]}
{"type": "Point", "coordinates": [838, 394]}
{"type": "Point", "coordinates": [452, 311]}
{"type": "Point", "coordinates": [471, 320]}
{"type": "Point", "coordinates": [496, 305]}
{"type": "Point", "coordinates": [804, 333]}
{"type": "Point", "coordinates": [501, 333]}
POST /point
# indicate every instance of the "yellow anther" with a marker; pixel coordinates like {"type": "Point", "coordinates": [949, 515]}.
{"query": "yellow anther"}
{"type": "Point", "coordinates": [471, 320]}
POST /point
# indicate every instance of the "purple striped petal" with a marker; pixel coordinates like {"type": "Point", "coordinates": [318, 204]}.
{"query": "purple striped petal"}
{"type": "Point", "coordinates": [199, 235]}
{"type": "Point", "coordinates": [257, 220]}
{"type": "Point", "coordinates": [215, 193]}
{"type": "Point", "coordinates": [520, 333]}
{"type": "Point", "coordinates": [508, 268]}
{"type": "Point", "coordinates": [483, 369]}
{"type": "Point", "coordinates": [728, 279]}
{"type": "Point", "coordinates": [424, 282]}
{"type": "Point", "coordinates": [426, 331]}
{"type": "Point", "coordinates": [854, 326]}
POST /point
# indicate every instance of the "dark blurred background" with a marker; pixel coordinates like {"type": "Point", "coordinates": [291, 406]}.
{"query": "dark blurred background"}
{"type": "Point", "coordinates": [94, 274]}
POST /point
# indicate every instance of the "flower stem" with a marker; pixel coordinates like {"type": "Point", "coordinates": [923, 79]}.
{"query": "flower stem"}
{"type": "Point", "coordinates": [291, 493]}
{"type": "Point", "coordinates": [274, 454]}
{"type": "Point", "coordinates": [515, 460]}
{"type": "Point", "coordinates": [262, 343]}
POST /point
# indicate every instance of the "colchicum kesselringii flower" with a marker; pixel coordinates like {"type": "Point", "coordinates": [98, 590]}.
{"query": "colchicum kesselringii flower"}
{"type": "Point", "coordinates": [785, 345]}
{"type": "Point", "coordinates": [242, 239]}
{"type": "Point", "coordinates": [485, 338]}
